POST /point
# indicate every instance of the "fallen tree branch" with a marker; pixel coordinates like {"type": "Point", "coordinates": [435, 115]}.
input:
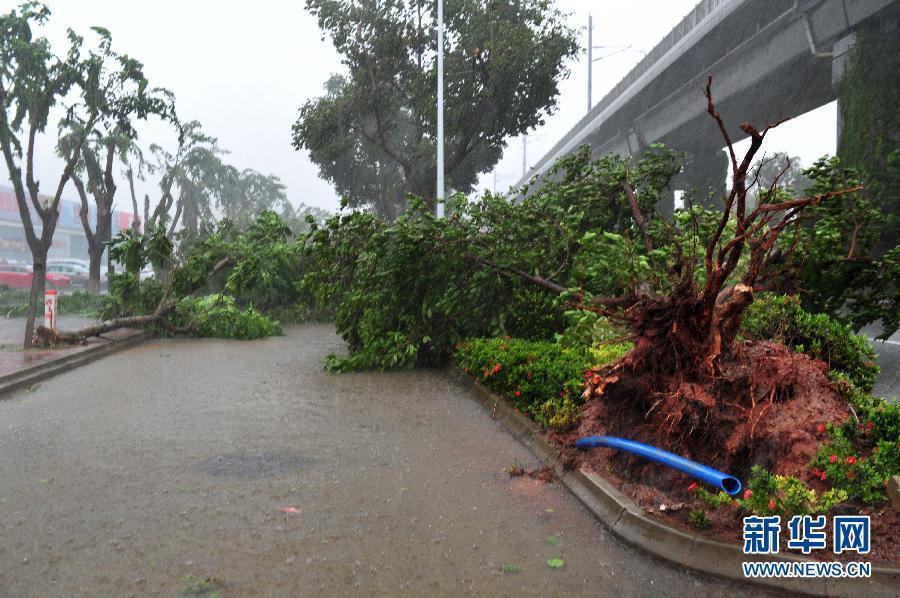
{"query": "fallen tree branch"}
{"type": "Point", "coordinates": [637, 215]}
{"type": "Point", "coordinates": [598, 304]}
{"type": "Point", "coordinates": [45, 337]}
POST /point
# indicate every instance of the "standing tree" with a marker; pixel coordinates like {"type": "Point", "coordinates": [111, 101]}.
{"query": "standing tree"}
{"type": "Point", "coordinates": [297, 219]}
{"type": "Point", "coordinates": [249, 194]}
{"type": "Point", "coordinates": [33, 80]}
{"type": "Point", "coordinates": [126, 99]}
{"type": "Point", "coordinates": [373, 133]}
{"type": "Point", "coordinates": [181, 174]}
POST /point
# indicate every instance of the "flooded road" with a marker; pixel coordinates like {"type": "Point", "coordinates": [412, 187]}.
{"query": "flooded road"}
{"type": "Point", "coordinates": [167, 470]}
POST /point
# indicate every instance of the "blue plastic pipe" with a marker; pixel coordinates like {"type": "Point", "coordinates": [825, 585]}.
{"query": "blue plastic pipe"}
{"type": "Point", "coordinates": [713, 477]}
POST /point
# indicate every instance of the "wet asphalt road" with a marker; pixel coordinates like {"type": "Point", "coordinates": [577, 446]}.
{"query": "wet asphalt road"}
{"type": "Point", "coordinates": [152, 469]}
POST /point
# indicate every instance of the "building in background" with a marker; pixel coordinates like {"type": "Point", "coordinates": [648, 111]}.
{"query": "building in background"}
{"type": "Point", "coordinates": [68, 240]}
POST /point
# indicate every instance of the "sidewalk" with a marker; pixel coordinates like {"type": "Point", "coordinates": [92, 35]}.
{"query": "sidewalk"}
{"type": "Point", "coordinates": [14, 360]}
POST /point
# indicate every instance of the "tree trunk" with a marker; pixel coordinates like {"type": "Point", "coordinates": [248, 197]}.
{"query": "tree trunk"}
{"type": "Point", "coordinates": [38, 286]}
{"type": "Point", "coordinates": [95, 253]}
{"type": "Point", "coordinates": [425, 190]}
{"type": "Point", "coordinates": [49, 338]}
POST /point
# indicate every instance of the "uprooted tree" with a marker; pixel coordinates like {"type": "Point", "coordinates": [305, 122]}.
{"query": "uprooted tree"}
{"type": "Point", "coordinates": [693, 326]}
{"type": "Point", "coordinates": [686, 383]}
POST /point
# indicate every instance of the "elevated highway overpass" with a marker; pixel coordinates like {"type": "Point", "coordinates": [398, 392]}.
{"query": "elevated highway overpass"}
{"type": "Point", "coordinates": [768, 58]}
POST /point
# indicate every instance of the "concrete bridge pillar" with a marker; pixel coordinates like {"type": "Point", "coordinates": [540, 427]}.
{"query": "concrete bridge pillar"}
{"type": "Point", "coordinates": [840, 58]}
{"type": "Point", "coordinates": [700, 182]}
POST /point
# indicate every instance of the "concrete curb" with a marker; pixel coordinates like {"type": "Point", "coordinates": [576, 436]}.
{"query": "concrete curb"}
{"type": "Point", "coordinates": [631, 524]}
{"type": "Point", "coordinates": [10, 383]}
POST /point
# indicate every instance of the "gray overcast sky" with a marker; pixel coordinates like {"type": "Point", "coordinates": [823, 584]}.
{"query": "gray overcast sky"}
{"type": "Point", "coordinates": [244, 68]}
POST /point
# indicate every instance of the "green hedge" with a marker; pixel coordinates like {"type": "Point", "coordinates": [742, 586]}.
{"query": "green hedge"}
{"type": "Point", "coordinates": [14, 303]}
{"type": "Point", "coordinates": [542, 379]}
{"type": "Point", "coordinates": [780, 318]}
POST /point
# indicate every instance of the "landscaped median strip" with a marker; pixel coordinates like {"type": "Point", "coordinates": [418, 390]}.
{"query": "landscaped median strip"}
{"type": "Point", "coordinates": [44, 370]}
{"type": "Point", "coordinates": [630, 523]}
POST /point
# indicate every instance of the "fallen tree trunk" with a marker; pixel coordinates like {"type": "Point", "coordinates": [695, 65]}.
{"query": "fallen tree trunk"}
{"type": "Point", "coordinates": [44, 337]}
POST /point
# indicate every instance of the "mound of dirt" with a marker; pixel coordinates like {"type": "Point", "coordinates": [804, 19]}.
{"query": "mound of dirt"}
{"type": "Point", "coordinates": [762, 408]}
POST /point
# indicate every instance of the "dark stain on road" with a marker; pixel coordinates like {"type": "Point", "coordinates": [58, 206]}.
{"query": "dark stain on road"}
{"type": "Point", "coordinates": [254, 465]}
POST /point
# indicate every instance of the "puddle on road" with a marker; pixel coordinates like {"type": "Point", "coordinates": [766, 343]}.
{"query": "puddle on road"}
{"type": "Point", "coordinates": [254, 465]}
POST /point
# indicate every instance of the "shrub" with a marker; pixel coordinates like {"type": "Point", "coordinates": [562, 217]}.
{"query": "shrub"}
{"type": "Point", "coordinates": [713, 501]}
{"type": "Point", "coordinates": [218, 316]}
{"type": "Point", "coordinates": [544, 380]}
{"type": "Point", "coordinates": [860, 458]}
{"type": "Point", "coordinates": [780, 318]}
{"type": "Point", "coordinates": [80, 302]}
{"type": "Point", "coordinates": [14, 303]}
{"type": "Point", "coordinates": [699, 519]}
{"type": "Point", "coordinates": [769, 494]}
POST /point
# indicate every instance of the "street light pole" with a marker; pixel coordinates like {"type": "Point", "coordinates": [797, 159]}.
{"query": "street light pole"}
{"type": "Point", "coordinates": [591, 60]}
{"type": "Point", "coordinates": [439, 200]}
{"type": "Point", "coordinates": [590, 57]}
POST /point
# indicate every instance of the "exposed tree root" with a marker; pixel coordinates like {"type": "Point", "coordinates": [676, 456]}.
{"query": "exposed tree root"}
{"type": "Point", "coordinates": [762, 406]}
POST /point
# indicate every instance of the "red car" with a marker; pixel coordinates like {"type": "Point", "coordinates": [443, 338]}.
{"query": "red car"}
{"type": "Point", "coordinates": [19, 277]}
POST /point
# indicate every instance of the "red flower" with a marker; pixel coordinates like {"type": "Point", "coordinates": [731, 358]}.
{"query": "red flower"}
{"type": "Point", "coordinates": [869, 425]}
{"type": "Point", "coordinates": [748, 493]}
{"type": "Point", "coordinates": [818, 473]}
{"type": "Point", "coordinates": [562, 393]}
{"type": "Point", "coordinates": [820, 428]}
{"type": "Point", "coordinates": [692, 487]}
{"type": "Point", "coordinates": [771, 504]}
{"type": "Point", "coordinates": [850, 460]}
{"type": "Point", "coordinates": [832, 458]}
{"type": "Point", "coordinates": [518, 393]}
